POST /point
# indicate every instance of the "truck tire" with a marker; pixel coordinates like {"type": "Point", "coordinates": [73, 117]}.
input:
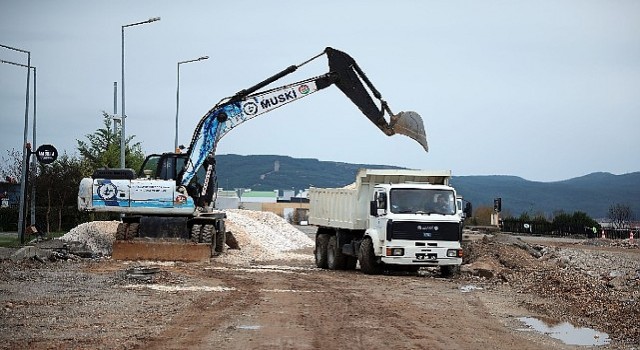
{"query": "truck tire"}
{"type": "Point", "coordinates": [368, 263]}
{"type": "Point", "coordinates": [322, 240]}
{"type": "Point", "coordinates": [335, 259]}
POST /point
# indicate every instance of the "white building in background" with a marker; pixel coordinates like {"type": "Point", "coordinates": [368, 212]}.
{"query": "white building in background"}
{"type": "Point", "coordinates": [227, 200]}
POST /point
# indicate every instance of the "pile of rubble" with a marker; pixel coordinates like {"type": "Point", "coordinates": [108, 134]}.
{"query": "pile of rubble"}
{"type": "Point", "coordinates": [96, 235]}
{"type": "Point", "coordinates": [598, 289]}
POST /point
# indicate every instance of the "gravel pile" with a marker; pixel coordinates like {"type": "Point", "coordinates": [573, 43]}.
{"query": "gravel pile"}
{"type": "Point", "coordinates": [96, 235]}
{"type": "Point", "coordinates": [263, 236]}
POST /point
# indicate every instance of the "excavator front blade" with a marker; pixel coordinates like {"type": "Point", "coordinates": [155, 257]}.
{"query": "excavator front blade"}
{"type": "Point", "coordinates": [410, 124]}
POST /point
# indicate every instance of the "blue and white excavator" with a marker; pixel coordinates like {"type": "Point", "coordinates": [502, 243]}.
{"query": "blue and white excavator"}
{"type": "Point", "coordinates": [171, 200]}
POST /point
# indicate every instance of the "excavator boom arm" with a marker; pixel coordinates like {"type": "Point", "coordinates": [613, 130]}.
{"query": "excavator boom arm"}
{"type": "Point", "coordinates": [250, 103]}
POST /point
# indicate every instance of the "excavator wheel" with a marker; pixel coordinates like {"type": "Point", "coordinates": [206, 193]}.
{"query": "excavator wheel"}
{"type": "Point", "coordinates": [132, 231]}
{"type": "Point", "coordinates": [207, 233]}
{"type": "Point", "coordinates": [120, 233]}
{"type": "Point", "coordinates": [196, 233]}
{"type": "Point", "coordinates": [221, 241]}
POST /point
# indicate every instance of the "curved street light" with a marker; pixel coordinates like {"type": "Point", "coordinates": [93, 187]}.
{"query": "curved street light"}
{"type": "Point", "coordinates": [124, 115]}
{"type": "Point", "coordinates": [175, 146]}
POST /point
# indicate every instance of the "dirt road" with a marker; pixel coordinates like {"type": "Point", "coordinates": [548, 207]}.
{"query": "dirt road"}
{"type": "Point", "coordinates": [287, 305]}
{"type": "Point", "coordinates": [238, 302]}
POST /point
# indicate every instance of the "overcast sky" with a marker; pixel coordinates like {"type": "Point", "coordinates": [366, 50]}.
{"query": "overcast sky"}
{"type": "Point", "coordinates": [545, 90]}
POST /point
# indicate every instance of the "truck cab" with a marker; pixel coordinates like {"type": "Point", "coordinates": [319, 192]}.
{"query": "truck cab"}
{"type": "Point", "coordinates": [415, 224]}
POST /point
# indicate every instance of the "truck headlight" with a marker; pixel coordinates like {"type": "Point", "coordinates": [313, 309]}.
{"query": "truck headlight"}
{"type": "Point", "coordinates": [395, 251]}
{"type": "Point", "coordinates": [454, 253]}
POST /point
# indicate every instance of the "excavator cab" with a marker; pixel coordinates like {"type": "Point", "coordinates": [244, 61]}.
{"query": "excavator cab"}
{"type": "Point", "coordinates": [168, 166]}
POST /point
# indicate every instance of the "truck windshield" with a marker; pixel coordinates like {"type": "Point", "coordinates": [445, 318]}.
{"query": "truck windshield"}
{"type": "Point", "coordinates": [422, 201]}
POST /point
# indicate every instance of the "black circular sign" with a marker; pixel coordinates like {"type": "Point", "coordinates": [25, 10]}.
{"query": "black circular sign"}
{"type": "Point", "coordinates": [46, 154]}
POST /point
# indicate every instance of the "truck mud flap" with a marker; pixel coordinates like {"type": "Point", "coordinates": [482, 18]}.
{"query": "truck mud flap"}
{"type": "Point", "coordinates": [161, 251]}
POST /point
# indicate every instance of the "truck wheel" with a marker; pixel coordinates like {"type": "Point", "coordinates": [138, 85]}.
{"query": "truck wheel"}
{"type": "Point", "coordinates": [195, 233]}
{"type": "Point", "coordinates": [335, 259]}
{"type": "Point", "coordinates": [322, 240]}
{"type": "Point", "coordinates": [207, 233]}
{"type": "Point", "coordinates": [448, 271]}
{"type": "Point", "coordinates": [122, 230]}
{"type": "Point", "coordinates": [368, 263]}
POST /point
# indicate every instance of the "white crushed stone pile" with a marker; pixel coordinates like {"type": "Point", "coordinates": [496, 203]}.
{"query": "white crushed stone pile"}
{"type": "Point", "coordinates": [96, 235]}
{"type": "Point", "coordinates": [263, 236]}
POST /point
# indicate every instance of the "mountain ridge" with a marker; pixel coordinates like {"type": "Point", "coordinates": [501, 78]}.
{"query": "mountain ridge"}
{"type": "Point", "coordinates": [592, 193]}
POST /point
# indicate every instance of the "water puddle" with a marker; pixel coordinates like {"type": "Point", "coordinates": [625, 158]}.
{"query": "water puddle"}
{"type": "Point", "coordinates": [469, 288]}
{"type": "Point", "coordinates": [252, 328]}
{"type": "Point", "coordinates": [566, 332]}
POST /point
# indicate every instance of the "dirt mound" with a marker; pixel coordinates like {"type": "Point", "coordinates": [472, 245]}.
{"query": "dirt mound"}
{"type": "Point", "coordinates": [596, 289]}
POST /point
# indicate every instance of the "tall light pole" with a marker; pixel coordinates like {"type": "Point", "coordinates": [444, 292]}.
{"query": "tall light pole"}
{"type": "Point", "coordinates": [124, 116]}
{"type": "Point", "coordinates": [25, 151]}
{"type": "Point", "coordinates": [33, 140]}
{"type": "Point", "coordinates": [34, 161]}
{"type": "Point", "coordinates": [175, 146]}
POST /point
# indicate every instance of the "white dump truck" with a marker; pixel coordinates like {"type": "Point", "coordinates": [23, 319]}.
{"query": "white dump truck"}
{"type": "Point", "coordinates": [389, 220]}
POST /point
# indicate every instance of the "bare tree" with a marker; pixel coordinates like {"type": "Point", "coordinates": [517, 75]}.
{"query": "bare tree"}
{"type": "Point", "coordinates": [620, 215]}
{"type": "Point", "coordinates": [11, 166]}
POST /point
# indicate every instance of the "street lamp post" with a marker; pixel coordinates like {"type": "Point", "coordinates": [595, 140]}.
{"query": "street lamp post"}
{"type": "Point", "coordinates": [34, 161]}
{"type": "Point", "coordinates": [175, 146]}
{"type": "Point", "coordinates": [25, 151]}
{"type": "Point", "coordinates": [122, 130]}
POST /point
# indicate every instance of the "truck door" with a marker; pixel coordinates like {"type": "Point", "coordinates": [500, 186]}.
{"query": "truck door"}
{"type": "Point", "coordinates": [378, 223]}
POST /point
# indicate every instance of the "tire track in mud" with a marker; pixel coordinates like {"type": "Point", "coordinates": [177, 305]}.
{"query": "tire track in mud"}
{"type": "Point", "coordinates": [191, 328]}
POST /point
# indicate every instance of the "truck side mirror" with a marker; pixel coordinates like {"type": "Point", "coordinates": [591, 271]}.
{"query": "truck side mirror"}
{"type": "Point", "coordinates": [373, 208]}
{"type": "Point", "coordinates": [468, 210]}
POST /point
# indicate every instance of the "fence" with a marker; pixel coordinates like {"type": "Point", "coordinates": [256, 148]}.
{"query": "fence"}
{"type": "Point", "coordinates": [539, 227]}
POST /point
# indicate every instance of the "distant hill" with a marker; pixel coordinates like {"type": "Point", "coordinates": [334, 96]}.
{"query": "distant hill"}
{"type": "Point", "coordinates": [266, 173]}
{"type": "Point", "coordinates": [592, 194]}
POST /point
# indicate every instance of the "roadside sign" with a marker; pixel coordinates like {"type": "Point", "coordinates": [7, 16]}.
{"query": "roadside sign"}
{"type": "Point", "coordinates": [46, 154]}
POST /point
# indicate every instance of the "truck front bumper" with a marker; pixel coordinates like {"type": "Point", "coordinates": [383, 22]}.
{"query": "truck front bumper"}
{"type": "Point", "coordinates": [421, 256]}
{"type": "Point", "coordinates": [395, 260]}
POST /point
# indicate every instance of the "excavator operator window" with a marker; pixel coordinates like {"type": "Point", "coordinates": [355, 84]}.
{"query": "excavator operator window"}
{"type": "Point", "coordinates": [167, 171]}
{"type": "Point", "coordinates": [149, 166]}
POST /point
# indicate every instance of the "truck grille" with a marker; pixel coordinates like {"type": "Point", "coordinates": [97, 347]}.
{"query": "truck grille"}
{"type": "Point", "coordinates": [442, 231]}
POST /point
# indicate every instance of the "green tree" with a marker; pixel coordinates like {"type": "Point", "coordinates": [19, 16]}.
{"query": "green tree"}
{"type": "Point", "coordinates": [57, 188]}
{"type": "Point", "coordinates": [576, 223]}
{"type": "Point", "coordinates": [102, 149]}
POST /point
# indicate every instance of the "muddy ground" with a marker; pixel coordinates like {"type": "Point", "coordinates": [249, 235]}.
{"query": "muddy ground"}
{"type": "Point", "coordinates": [106, 304]}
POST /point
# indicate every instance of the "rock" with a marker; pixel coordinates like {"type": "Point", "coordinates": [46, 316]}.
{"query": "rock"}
{"type": "Point", "coordinates": [30, 252]}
